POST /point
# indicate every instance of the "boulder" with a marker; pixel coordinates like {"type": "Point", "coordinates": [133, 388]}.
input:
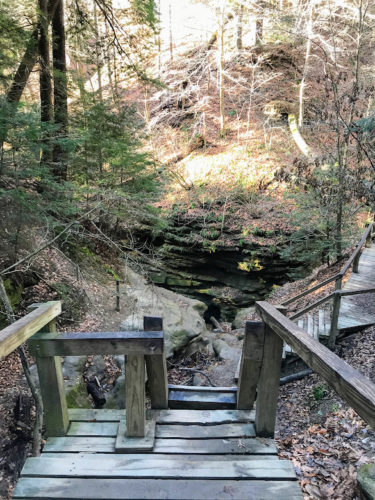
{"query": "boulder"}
{"type": "Point", "coordinates": [224, 351]}
{"type": "Point", "coordinates": [366, 481]}
{"type": "Point", "coordinates": [182, 316]}
{"type": "Point", "coordinates": [97, 368]}
{"type": "Point", "coordinates": [116, 397]}
{"type": "Point", "coordinates": [72, 368]}
{"type": "Point", "coordinates": [242, 315]}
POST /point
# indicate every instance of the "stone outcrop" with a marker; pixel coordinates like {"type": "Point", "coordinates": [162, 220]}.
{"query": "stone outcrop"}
{"type": "Point", "coordinates": [182, 316]}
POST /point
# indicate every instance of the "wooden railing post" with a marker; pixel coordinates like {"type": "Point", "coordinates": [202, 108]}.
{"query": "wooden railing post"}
{"type": "Point", "coordinates": [356, 262]}
{"type": "Point", "coordinates": [156, 368]}
{"type": "Point", "coordinates": [369, 238]}
{"type": "Point", "coordinates": [250, 366]}
{"type": "Point", "coordinates": [335, 320]}
{"type": "Point", "coordinates": [52, 389]}
{"type": "Point", "coordinates": [268, 385]}
{"type": "Point", "coordinates": [135, 399]}
{"type": "Point", "coordinates": [338, 283]}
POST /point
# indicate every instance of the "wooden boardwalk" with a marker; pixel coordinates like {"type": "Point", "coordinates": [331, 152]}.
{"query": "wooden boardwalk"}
{"type": "Point", "coordinates": [352, 316]}
{"type": "Point", "coordinates": [197, 454]}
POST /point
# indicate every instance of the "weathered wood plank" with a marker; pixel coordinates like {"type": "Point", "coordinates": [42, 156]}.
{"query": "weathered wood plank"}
{"type": "Point", "coordinates": [18, 332]}
{"type": "Point", "coordinates": [121, 489]}
{"type": "Point", "coordinates": [90, 343]}
{"type": "Point", "coordinates": [350, 384]}
{"type": "Point", "coordinates": [204, 432]}
{"type": "Point", "coordinates": [183, 417]}
{"type": "Point", "coordinates": [251, 363]}
{"type": "Point", "coordinates": [79, 444]}
{"type": "Point", "coordinates": [204, 417]}
{"type": "Point", "coordinates": [164, 456]}
{"type": "Point", "coordinates": [156, 365]}
{"type": "Point", "coordinates": [156, 368]}
{"type": "Point", "coordinates": [195, 388]}
{"type": "Point", "coordinates": [118, 466]}
{"type": "Point", "coordinates": [53, 394]}
{"type": "Point", "coordinates": [125, 444]}
{"type": "Point", "coordinates": [71, 444]}
{"type": "Point", "coordinates": [201, 400]}
{"type": "Point", "coordinates": [93, 429]}
{"type": "Point", "coordinates": [135, 398]}
{"type": "Point", "coordinates": [91, 414]}
{"type": "Point", "coordinates": [53, 391]}
{"type": "Point", "coordinates": [269, 381]}
{"type": "Point", "coordinates": [334, 321]}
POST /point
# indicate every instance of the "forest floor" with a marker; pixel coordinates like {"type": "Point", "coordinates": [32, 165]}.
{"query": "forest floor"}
{"type": "Point", "coordinates": [325, 439]}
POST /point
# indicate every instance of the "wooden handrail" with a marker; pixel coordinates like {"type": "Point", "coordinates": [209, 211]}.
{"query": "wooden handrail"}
{"type": "Point", "coordinates": [357, 390]}
{"type": "Point", "coordinates": [90, 343]}
{"type": "Point", "coordinates": [338, 276]}
{"type": "Point", "coordinates": [356, 251]}
{"type": "Point", "coordinates": [312, 306]}
{"type": "Point", "coordinates": [18, 332]}
{"type": "Point", "coordinates": [310, 290]}
{"type": "Point", "coordinates": [345, 293]}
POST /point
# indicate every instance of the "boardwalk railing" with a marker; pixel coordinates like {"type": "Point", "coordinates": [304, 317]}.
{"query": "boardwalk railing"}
{"type": "Point", "coordinates": [143, 350]}
{"type": "Point", "coordinates": [261, 365]}
{"type": "Point", "coordinates": [18, 332]}
{"type": "Point", "coordinates": [353, 261]}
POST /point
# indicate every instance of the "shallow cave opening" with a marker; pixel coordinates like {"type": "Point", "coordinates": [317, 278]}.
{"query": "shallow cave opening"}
{"type": "Point", "coordinates": [212, 310]}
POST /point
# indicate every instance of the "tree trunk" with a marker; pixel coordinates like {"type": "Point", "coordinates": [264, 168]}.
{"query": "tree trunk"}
{"type": "Point", "coordinates": [221, 73]}
{"type": "Point", "coordinates": [45, 80]}
{"type": "Point", "coordinates": [306, 65]}
{"type": "Point", "coordinates": [60, 89]}
{"type": "Point", "coordinates": [259, 30]}
{"type": "Point", "coordinates": [170, 33]}
{"type": "Point", "coordinates": [98, 55]}
{"type": "Point", "coordinates": [239, 27]}
{"type": "Point", "coordinates": [28, 61]}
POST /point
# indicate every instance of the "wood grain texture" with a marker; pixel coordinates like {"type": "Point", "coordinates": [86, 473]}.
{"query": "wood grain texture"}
{"type": "Point", "coordinates": [183, 417]}
{"type": "Point", "coordinates": [53, 394]}
{"type": "Point", "coordinates": [135, 398]}
{"type": "Point", "coordinates": [93, 429]}
{"type": "Point", "coordinates": [52, 389]}
{"type": "Point", "coordinates": [251, 363]}
{"type": "Point", "coordinates": [90, 343]}
{"type": "Point", "coordinates": [205, 432]}
{"type": "Point", "coordinates": [126, 444]}
{"type": "Point", "coordinates": [156, 368]}
{"type": "Point", "coordinates": [351, 385]}
{"type": "Point", "coordinates": [165, 456]}
{"type": "Point", "coordinates": [230, 446]}
{"type": "Point", "coordinates": [268, 386]}
{"type": "Point", "coordinates": [118, 466]}
{"type": "Point", "coordinates": [18, 332]}
{"type": "Point", "coordinates": [120, 489]}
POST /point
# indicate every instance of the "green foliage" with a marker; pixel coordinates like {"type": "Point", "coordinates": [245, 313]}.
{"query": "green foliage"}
{"type": "Point", "coordinates": [12, 40]}
{"type": "Point", "coordinates": [31, 186]}
{"type": "Point", "coordinates": [107, 156]}
{"type": "Point", "coordinates": [145, 12]}
{"type": "Point", "coordinates": [319, 391]}
{"type": "Point", "coordinates": [314, 219]}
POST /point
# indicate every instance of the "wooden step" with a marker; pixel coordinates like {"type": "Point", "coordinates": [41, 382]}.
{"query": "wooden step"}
{"type": "Point", "coordinates": [158, 489]}
{"type": "Point", "coordinates": [202, 398]}
{"type": "Point", "coordinates": [118, 466]}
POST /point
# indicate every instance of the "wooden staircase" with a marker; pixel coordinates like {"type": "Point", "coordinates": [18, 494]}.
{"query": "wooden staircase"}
{"type": "Point", "coordinates": [324, 321]}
